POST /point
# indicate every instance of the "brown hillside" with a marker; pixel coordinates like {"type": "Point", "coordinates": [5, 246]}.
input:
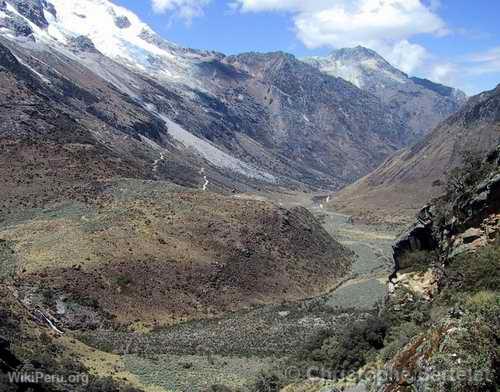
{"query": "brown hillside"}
{"type": "Point", "coordinates": [158, 253]}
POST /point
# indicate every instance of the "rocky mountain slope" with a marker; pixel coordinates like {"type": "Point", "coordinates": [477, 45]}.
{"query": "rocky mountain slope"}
{"type": "Point", "coordinates": [421, 104]}
{"type": "Point", "coordinates": [88, 144]}
{"type": "Point", "coordinates": [407, 181]}
{"type": "Point", "coordinates": [121, 159]}
{"type": "Point", "coordinates": [248, 121]}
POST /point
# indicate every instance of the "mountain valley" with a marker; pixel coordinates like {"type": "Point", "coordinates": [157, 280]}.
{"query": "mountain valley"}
{"type": "Point", "coordinates": [174, 219]}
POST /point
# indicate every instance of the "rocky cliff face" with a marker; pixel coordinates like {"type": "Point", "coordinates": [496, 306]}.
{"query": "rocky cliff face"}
{"type": "Point", "coordinates": [311, 115]}
{"type": "Point", "coordinates": [462, 220]}
{"type": "Point", "coordinates": [420, 103]}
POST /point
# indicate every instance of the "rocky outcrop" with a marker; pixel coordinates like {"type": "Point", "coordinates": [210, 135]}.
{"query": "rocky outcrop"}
{"type": "Point", "coordinates": [485, 199]}
{"type": "Point", "coordinates": [420, 236]}
{"type": "Point", "coordinates": [473, 220]}
{"type": "Point", "coordinates": [122, 22]}
{"type": "Point", "coordinates": [32, 10]}
{"type": "Point", "coordinates": [17, 25]}
{"type": "Point", "coordinates": [461, 229]}
{"type": "Point", "coordinates": [83, 44]}
{"type": "Point", "coordinates": [8, 361]}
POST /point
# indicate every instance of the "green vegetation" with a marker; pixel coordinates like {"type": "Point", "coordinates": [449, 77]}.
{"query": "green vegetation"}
{"type": "Point", "coordinates": [26, 346]}
{"type": "Point", "coordinates": [463, 351]}
{"type": "Point", "coordinates": [43, 354]}
{"type": "Point", "coordinates": [123, 281]}
{"type": "Point", "coordinates": [350, 348]}
{"type": "Point", "coordinates": [470, 273]}
{"type": "Point", "coordinates": [463, 179]}
{"type": "Point", "coordinates": [456, 334]}
{"type": "Point", "coordinates": [471, 349]}
{"type": "Point", "coordinates": [268, 382]}
{"type": "Point", "coordinates": [196, 372]}
{"type": "Point", "coordinates": [398, 337]}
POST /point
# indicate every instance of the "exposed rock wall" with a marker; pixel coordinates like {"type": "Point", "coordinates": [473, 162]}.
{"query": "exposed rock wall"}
{"type": "Point", "coordinates": [472, 222]}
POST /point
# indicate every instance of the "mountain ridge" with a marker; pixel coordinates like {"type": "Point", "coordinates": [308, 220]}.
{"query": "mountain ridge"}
{"type": "Point", "coordinates": [245, 117]}
{"type": "Point", "coordinates": [420, 102]}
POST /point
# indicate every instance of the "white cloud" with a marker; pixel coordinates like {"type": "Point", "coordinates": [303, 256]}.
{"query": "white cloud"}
{"type": "Point", "coordinates": [467, 71]}
{"type": "Point", "coordinates": [185, 9]}
{"type": "Point", "coordinates": [383, 25]}
{"type": "Point", "coordinates": [444, 73]}
{"type": "Point", "coordinates": [408, 57]}
{"type": "Point", "coordinates": [475, 64]}
{"type": "Point", "coordinates": [485, 62]}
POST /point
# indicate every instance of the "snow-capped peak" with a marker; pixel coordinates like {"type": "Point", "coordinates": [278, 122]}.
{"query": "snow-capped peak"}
{"type": "Point", "coordinates": [356, 65]}
{"type": "Point", "coordinates": [115, 31]}
{"type": "Point", "coordinates": [99, 25]}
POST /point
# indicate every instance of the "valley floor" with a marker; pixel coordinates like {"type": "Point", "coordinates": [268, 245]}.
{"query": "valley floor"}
{"type": "Point", "coordinates": [233, 349]}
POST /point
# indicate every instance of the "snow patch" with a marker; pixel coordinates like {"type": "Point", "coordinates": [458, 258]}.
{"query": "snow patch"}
{"type": "Point", "coordinates": [42, 77]}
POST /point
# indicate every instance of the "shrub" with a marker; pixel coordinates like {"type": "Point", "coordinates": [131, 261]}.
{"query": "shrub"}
{"type": "Point", "coordinates": [464, 178]}
{"type": "Point", "coordinates": [218, 388]}
{"type": "Point", "coordinates": [123, 281]}
{"type": "Point", "coordinates": [397, 338]}
{"type": "Point", "coordinates": [268, 382]}
{"type": "Point", "coordinates": [406, 306]}
{"type": "Point", "coordinates": [461, 182]}
{"type": "Point", "coordinates": [485, 304]}
{"type": "Point", "coordinates": [471, 350]}
{"type": "Point", "coordinates": [348, 349]}
{"type": "Point", "coordinates": [108, 384]}
{"type": "Point", "coordinates": [474, 272]}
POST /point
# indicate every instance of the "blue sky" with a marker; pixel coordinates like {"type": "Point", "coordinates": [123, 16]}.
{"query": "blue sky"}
{"type": "Point", "coordinates": [456, 42]}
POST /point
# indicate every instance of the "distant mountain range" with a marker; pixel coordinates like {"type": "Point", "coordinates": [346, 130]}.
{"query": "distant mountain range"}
{"type": "Point", "coordinates": [189, 116]}
{"type": "Point", "coordinates": [421, 103]}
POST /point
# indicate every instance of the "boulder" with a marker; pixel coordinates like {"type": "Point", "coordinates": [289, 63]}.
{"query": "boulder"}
{"type": "Point", "coordinates": [417, 237]}
{"type": "Point", "coordinates": [471, 235]}
{"type": "Point", "coordinates": [83, 44]}
{"type": "Point", "coordinates": [122, 22]}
